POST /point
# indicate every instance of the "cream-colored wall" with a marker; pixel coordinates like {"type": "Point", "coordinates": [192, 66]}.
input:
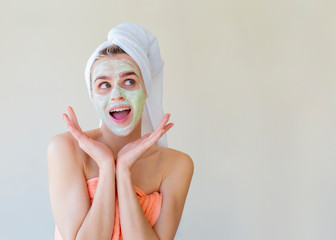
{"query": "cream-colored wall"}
{"type": "Point", "coordinates": [250, 86]}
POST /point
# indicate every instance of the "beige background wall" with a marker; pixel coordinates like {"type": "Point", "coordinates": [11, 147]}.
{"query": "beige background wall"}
{"type": "Point", "coordinates": [250, 86]}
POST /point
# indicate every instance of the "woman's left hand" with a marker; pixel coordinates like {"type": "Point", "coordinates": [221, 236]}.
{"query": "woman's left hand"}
{"type": "Point", "coordinates": [133, 150]}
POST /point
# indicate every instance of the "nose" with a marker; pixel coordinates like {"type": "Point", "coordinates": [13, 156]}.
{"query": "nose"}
{"type": "Point", "coordinates": [116, 95]}
{"type": "Point", "coordinates": [117, 98]}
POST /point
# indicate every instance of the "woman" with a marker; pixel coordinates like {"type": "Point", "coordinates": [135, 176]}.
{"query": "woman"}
{"type": "Point", "coordinates": [115, 182]}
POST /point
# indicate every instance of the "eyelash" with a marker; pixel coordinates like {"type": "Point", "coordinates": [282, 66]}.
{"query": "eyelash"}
{"type": "Point", "coordinates": [124, 81]}
{"type": "Point", "coordinates": [130, 80]}
{"type": "Point", "coordinates": [105, 83]}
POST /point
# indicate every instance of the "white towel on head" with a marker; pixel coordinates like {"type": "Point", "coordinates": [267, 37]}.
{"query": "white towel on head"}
{"type": "Point", "coordinates": [143, 47]}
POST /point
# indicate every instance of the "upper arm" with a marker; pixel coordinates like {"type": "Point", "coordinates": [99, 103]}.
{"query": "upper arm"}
{"type": "Point", "coordinates": [174, 189]}
{"type": "Point", "coordinates": [67, 186]}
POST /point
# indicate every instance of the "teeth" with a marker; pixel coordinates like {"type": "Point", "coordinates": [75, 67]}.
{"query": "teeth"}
{"type": "Point", "coordinates": [120, 109]}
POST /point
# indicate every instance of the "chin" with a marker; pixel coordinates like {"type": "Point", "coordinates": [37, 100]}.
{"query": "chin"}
{"type": "Point", "coordinates": [122, 131]}
{"type": "Point", "coordinates": [122, 134]}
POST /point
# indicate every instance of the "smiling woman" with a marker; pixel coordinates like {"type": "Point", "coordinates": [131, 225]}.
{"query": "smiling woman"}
{"type": "Point", "coordinates": [115, 182]}
{"type": "Point", "coordinates": [118, 93]}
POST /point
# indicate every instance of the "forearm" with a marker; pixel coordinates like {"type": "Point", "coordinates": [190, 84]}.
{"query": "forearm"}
{"type": "Point", "coordinates": [99, 221]}
{"type": "Point", "coordinates": [133, 221]}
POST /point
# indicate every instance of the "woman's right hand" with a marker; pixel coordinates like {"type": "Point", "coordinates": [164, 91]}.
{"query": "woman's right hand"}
{"type": "Point", "coordinates": [96, 150]}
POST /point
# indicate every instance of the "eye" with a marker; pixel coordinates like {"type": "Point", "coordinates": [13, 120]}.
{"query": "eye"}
{"type": "Point", "coordinates": [105, 85]}
{"type": "Point", "coordinates": [129, 82]}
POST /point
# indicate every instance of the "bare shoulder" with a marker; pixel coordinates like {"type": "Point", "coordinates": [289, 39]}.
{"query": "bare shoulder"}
{"type": "Point", "coordinates": [174, 160]}
{"type": "Point", "coordinates": [67, 184]}
{"type": "Point", "coordinates": [61, 147]}
{"type": "Point", "coordinates": [61, 139]}
{"type": "Point", "coordinates": [66, 140]}
{"type": "Point", "coordinates": [61, 142]}
{"type": "Point", "coordinates": [173, 154]}
{"type": "Point", "coordinates": [174, 188]}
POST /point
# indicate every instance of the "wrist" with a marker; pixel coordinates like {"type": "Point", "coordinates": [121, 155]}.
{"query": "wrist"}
{"type": "Point", "coordinates": [107, 166]}
{"type": "Point", "coordinates": [123, 170]}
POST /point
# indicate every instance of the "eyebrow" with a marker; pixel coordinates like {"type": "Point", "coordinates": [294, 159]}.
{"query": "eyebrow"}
{"type": "Point", "coordinates": [101, 77]}
{"type": "Point", "coordinates": [122, 75]}
{"type": "Point", "coordinates": [125, 74]}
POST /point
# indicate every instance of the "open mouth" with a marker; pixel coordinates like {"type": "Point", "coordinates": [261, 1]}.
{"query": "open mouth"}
{"type": "Point", "coordinates": [120, 114]}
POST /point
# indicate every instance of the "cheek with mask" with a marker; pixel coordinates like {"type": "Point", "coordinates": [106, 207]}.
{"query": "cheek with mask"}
{"type": "Point", "coordinates": [118, 100]}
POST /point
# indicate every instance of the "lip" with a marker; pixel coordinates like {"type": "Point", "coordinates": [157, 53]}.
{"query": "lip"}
{"type": "Point", "coordinates": [120, 106]}
{"type": "Point", "coordinates": [122, 120]}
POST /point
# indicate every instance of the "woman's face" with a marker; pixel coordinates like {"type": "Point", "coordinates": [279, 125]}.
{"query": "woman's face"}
{"type": "Point", "coordinates": [118, 93]}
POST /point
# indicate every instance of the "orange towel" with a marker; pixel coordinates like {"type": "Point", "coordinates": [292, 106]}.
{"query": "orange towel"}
{"type": "Point", "coordinates": [151, 205]}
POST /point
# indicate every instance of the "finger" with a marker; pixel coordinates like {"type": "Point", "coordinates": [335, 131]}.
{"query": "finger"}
{"type": "Point", "coordinates": [73, 117]}
{"type": "Point", "coordinates": [151, 138]}
{"type": "Point", "coordinates": [162, 123]}
{"type": "Point", "coordinates": [83, 140]}
{"type": "Point", "coordinates": [71, 124]}
{"type": "Point", "coordinates": [145, 136]}
{"type": "Point", "coordinates": [158, 134]}
{"type": "Point", "coordinates": [73, 130]}
{"type": "Point", "coordinates": [167, 127]}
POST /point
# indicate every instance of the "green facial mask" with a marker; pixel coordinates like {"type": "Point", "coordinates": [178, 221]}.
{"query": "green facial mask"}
{"type": "Point", "coordinates": [116, 90]}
